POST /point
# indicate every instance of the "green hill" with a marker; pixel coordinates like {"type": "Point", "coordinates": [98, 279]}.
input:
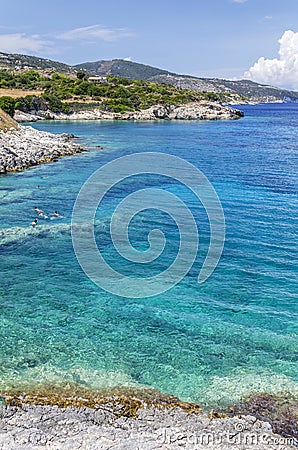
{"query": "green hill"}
{"type": "Point", "coordinates": [62, 93]}
{"type": "Point", "coordinates": [15, 61]}
{"type": "Point", "coordinates": [134, 71]}
{"type": "Point", "coordinates": [121, 68]}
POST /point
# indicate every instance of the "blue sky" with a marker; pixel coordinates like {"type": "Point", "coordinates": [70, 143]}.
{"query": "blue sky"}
{"type": "Point", "coordinates": [216, 38]}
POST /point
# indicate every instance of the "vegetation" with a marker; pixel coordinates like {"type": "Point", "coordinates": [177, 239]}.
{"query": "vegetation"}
{"type": "Point", "coordinates": [62, 93]}
{"type": "Point", "coordinates": [27, 80]}
{"type": "Point", "coordinates": [16, 61]}
{"type": "Point", "coordinates": [122, 68]}
{"type": "Point", "coordinates": [230, 90]}
{"type": "Point", "coordinates": [7, 104]}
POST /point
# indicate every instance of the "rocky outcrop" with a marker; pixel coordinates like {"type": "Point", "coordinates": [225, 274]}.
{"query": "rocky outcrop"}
{"type": "Point", "coordinates": [21, 116]}
{"type": "Point", "coordinates": [24, 147]}
{"type": "Point", "coordinates": [34, 427]}
{"type": "Point", "coordinates": [193, 111]}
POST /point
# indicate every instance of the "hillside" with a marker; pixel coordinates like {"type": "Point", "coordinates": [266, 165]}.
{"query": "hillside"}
{"type": "Point", "coordinates": [6, 122]}
{"type": "Point", "coordinates": [254, 92]}
{"type": "Point", "coordinates": [25, 62]}
{"type": "Point", "coordinates": [121, 68]}
{"type": "Point", "coordinates": [68, 94]}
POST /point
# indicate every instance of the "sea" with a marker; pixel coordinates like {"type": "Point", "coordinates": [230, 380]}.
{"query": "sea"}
{"type": "Point", "coordinates": [211, 343]}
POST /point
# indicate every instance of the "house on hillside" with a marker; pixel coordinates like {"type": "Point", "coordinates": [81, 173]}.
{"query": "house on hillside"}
{"type": "Point", "coordinates": [98, 79]}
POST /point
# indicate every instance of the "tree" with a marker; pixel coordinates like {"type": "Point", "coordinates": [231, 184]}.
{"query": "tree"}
{"type": "Point", "coordinates": [29, 79]}
{"type": "Point", "coordinates": [81, 75]}
{"type": "Point", "coordinates": [7, 104]}
{"type": "Point", "coordinates": [82, 88]}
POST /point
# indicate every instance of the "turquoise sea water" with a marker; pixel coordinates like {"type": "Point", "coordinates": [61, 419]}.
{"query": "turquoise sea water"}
{"type": "Point", "coordinates": [208, 343]}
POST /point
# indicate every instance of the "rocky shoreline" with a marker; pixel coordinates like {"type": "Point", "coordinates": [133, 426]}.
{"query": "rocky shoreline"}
{"type": "Point", "coordinates": [122, 422]}
{"type": "Point", "coordinates": [24, 147]}
{"type": "Point", "coordinates": [193, 111]}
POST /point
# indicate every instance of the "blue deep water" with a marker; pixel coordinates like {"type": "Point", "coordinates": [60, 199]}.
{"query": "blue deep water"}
{"type": "Point", "coordinates": [210, 342]}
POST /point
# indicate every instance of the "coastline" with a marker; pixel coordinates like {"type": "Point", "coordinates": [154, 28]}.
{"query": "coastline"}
{"type": "Point", "coordinates": [192, 111]}
{"type": "Point", "coordinates": [122, 420]}
{"type": "Point", "coordinates": [24, 147]}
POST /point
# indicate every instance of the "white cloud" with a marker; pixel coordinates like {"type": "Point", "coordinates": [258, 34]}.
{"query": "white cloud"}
{"type": "Point", "coordinates": [34, 43]}
{"type": "Point", "coordinates": [95, 32]}
{"type": "Point", "coordinates": [128, 58]}
{"type": "Point", "coordinates": [268, 17]}
{"type": "Point", "coordinates": [240, 1]}
{"type": "Point", "coordinates": [282, 71]}
{"type": "Point", "coordinates": [22, 43]}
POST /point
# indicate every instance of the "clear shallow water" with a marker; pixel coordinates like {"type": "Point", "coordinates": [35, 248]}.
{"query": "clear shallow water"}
{"type": "Point", "coordinates": [208, 343]}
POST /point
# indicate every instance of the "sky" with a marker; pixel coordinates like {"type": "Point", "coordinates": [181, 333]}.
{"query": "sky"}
{"type": "Point", "coordinates": [232, 39]}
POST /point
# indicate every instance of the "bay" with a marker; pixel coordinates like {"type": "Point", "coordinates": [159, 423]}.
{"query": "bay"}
{"type": "Point", "coordinates": [210, 343]}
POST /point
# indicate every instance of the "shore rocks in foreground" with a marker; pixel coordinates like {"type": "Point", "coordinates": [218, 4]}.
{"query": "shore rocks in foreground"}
{"type": "Point", "coordinates": [33, 427]}
{"type": "Point", "coordinates": [193, 111]}
{"type": "Point", "coordinates": [280, 410]}
{"type": "Point", "coordinates": [25, 147]}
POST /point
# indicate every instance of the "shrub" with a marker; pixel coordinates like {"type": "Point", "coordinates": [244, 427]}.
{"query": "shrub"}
{"type": "Point", "coordinates": [7, 104]}
{"type": "Point", "coordinates": [81, 76]}
{"type": "Point", "coordinates": [82, 88]}
{"type": "Point", "coordinates": [55, 104]}
{"type": "Point", "coordinates": [30, 103]}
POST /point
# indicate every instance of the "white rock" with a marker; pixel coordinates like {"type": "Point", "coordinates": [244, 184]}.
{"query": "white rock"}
{"type": "Point", "coordinates": [36, 427]}
{"type": "Point", "coordinates": [27, 147]}
{"type": "Point", "coordinates": [193, 111]}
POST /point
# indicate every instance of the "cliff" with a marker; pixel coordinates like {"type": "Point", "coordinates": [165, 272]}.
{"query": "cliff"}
{"type": "Point", "coordinates": [192, 111]}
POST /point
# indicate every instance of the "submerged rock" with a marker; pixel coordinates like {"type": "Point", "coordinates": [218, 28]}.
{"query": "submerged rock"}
{"type": "Point", "coordinates": [281, 411]}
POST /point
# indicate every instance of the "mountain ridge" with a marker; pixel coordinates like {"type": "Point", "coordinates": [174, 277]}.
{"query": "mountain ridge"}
{"type": "Point", "coordinates": [254, 92]}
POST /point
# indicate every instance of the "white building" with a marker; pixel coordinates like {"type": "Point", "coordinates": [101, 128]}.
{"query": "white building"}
{"type": "Point", "coordinates": [98, 79]}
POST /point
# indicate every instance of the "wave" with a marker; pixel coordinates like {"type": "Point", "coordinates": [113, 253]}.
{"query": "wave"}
{"type": "Point", "coordinates": [17, 234]}
{"type": "Point", "coordinates": [49, 229]}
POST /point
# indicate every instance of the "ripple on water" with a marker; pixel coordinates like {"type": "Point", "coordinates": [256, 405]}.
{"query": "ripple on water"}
{"type": "Point", "coordinates": [211, 343]}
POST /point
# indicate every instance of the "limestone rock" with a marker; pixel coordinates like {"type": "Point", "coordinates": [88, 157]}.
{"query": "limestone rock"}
{"type": "Point", "coordinates": [34, 427]}
{"type": "Point", "coordinates": [24, 147]}
{"type": "Point", "coordinates": [193, 111]}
